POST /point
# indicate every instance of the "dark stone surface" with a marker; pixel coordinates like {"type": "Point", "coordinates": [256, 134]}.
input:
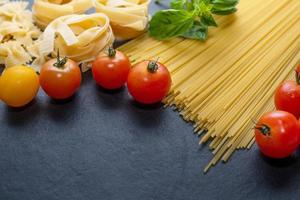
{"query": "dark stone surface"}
{"type": "Point", "coordinates": [101, 145]}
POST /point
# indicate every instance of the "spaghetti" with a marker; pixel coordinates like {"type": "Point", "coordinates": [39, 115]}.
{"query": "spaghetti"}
{"type": "Point", "coordinates": [224, 83]}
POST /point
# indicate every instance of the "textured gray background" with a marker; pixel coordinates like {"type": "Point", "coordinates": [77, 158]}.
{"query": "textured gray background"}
{"type": "Point", "coordinates": [101, 145]}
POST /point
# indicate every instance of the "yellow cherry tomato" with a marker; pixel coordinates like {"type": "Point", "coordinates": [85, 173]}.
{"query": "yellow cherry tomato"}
{"type": "Point", "coordinates": [18, 85]}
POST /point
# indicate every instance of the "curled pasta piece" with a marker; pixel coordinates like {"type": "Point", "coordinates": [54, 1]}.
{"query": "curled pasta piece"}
{"type": "Point", "coordinates": [14, 53]}
{"type": "Point", "coordinates": [45, 11]}
{"type": "Point", "coordinates": [79, 37]}
{"type": "Point", "coordinates": [18, 36]}
{"type": "Point", "coordinates": [3, 2]}
{"type": "Point", "coordinates": [129, 18]}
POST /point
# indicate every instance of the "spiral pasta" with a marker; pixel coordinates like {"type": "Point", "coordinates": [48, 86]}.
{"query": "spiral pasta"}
{"type": "Point", "coordinates": [45, 11]}
{"type": "Point", "coordinates": [18, 36]}
{"type": "Point", "coordinates": [79, 37]}
{"type": "Point", "coordinates": [129, 18]}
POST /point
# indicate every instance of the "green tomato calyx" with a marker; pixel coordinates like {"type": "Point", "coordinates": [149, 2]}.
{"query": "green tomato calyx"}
{"type": "Point", "coordinates": [60, 63]}
{"type": "Point", "coordinates": [153, 66]}
{"type": "Point", "coordinates": [264, 129]}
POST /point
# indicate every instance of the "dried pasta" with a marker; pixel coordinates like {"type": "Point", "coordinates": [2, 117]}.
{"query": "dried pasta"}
{"type": "Point", "coordinates": [18, 36]}
{"type": "Point", "coordinates": [45, 11]}
{"type": "Point", "coordinates": [129, 18]}
{"type": "Point", "coordinates": [79, 37]}
{"type": "Point", "coordinates": [3, 2]}
{"type": "Point", "coordinates": [224, 83]}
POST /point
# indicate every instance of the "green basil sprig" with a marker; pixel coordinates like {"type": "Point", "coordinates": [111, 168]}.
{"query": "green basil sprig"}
{"type": "Point", "coordinates": [189, 18]}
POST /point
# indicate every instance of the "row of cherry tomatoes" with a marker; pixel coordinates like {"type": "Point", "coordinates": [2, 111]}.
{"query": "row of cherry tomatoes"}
{"type": "Point", "coordinates": [277, 133]}
{"type": "Point", "coordinates": [148, 81]}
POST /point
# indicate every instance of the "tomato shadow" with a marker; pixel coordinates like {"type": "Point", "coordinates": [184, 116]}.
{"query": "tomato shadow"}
{"type": "Point", "coordinates": [62, 101]}
{"type": "Point", "coordinates": [109, 91]}
{"type": "Point", "coordinates": [60, 111]}
{"type": "Point", "coordinates": [18, 117]}
{"type": "Point", "coordinates": [145, 106]}
{"type": "Point", "coordinates": [146, 116]}
{"type": "Point", "coordinates": [280, 163]}
{"type": "Point", "coordinates": [110, 99]}
{"type": "Point", "coordinates": [276, 174]}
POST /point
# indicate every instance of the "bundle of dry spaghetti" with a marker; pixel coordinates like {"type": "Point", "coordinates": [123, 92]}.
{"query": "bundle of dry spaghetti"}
{"type": "Point", "coordinates": [129, 18]}
{"type": "Point", "coordinates": [45, 11]}
{"type": "Point", "coordinates": [79, 37]}
{"type": "Point", "coordinates": [18, 36]}
{"type": "Point", "coordinates": [223, 84]}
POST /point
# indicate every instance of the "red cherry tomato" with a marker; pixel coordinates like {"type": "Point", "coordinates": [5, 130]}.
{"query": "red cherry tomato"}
{"type": "Point", "coordinates": [277, 134]}
{"type": "Point", "coordinates": [60, 78]}
{"type": "Point", "coordinates": [149, 82]}
{"type": "Point", "coordinates": [287, 97]}
{"type": "Point", "coordinates": [111, 71]}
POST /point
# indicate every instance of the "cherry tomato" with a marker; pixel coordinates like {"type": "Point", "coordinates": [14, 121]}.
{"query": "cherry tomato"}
{"type": "Point", "coordinates": [18, 85]}
{"type": "Point", "coordinates": [60, 78]}
{"type": "Point", "coordinates": [149, 82]}
{"type": "Point", "coordinates": [111, 71]}
{"type": "Point", "coordinates": [287, 97]}
{"type": "Point", "coordinates": [277, 134]}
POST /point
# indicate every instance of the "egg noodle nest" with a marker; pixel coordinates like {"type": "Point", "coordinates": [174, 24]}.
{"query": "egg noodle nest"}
{"type": "Point", "coordinates": [33, 37]}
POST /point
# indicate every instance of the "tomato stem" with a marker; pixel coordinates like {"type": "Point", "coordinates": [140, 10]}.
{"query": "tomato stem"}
{"type": "Point", "coordinates": [264, 129]}
{"type": "Point", "coordinates": [111, 52]}
{"type": "Point", "coordinates": [297, 77]}
{"type": "Point", "coordinates": [152, 66]}
{"type": "Point", "coordinates": [60, 63]}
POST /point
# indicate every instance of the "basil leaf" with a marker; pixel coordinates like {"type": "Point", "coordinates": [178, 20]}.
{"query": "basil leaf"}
{"type": "Point", "coordinates": [178, 4]}
{"type": "Point", "coordinates": [219, 10]}
{"type": "Point", "coordinates": [170, 23]}
{"type": "Point", "coordinates": [229, 3]}
{"type": "Point", "coordinates": [224, 7]}
{"type": "Point", "coordinates": [198, 31]}
{"type": "Point", "coordinates": [182, 5]}
{"type": "Point", "coordinates": [208, 20]}
{"type": "Point", "coordinates": [202, 8]}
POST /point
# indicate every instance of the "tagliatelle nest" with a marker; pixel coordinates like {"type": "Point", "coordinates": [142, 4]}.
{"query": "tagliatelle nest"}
{"type": "Point", "coordinates": [45, 11]}
{"type": "Point", "coordinates": [129, 18]}
{"type": "Point", "coordinates": [18, 36]}
{"type": "Point", "coordinates": [79, 37]}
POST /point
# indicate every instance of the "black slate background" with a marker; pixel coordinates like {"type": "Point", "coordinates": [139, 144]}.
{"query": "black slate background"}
{"type": "Point", "coordinates": [102, 145]}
